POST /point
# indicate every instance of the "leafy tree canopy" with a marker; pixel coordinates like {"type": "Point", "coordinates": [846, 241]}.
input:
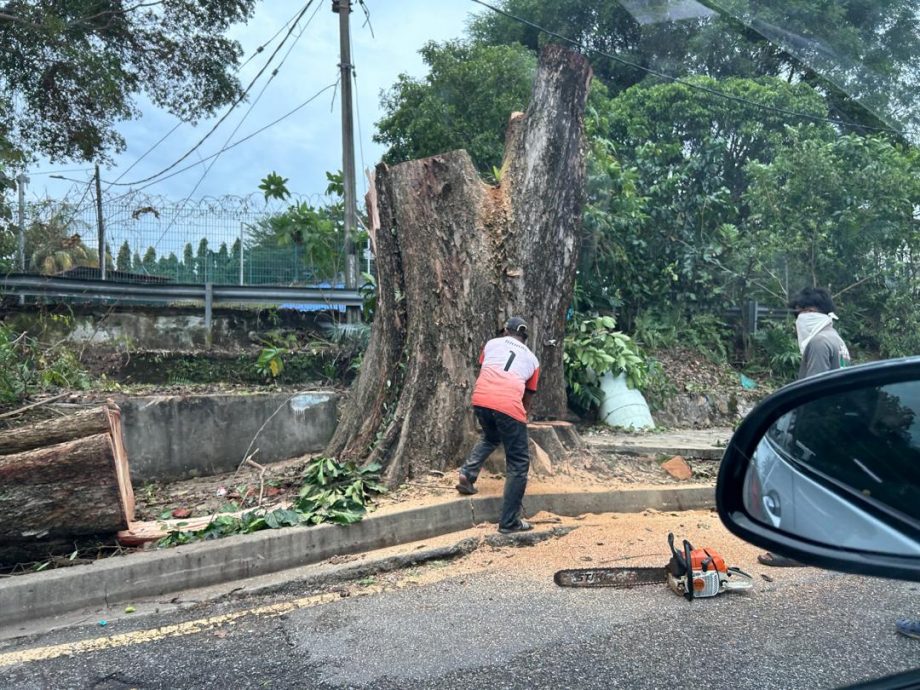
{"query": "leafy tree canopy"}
{"type": "Point", "coordinates": [70, 70]}
{"type": "Point", "coordinates": [463, 102]}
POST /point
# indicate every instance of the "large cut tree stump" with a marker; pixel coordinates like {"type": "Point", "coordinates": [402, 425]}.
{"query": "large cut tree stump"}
{"type": "Point", "coordinates": [69, 479]}
{"type": "Point", "coordinates": [457, 257]}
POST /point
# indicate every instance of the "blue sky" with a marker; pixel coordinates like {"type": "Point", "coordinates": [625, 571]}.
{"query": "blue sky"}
{"type": "Point", "coordinates": [307, 144]}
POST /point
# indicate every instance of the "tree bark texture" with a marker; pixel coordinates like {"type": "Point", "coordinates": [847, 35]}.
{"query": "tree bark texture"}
{"type": "Point", "coordinates": [457, 257]}
{"type": "Point", "coordinates": [65, 490]}
{"type": "Point", "coordinates": [58, 430]}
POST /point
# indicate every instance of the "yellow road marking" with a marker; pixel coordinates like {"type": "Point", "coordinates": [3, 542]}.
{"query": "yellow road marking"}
{"type": "Point", "coordinates": [154, 634]}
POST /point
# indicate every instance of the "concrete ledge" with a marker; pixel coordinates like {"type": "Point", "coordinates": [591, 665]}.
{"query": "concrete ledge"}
{"type": "Point", "coordinates": [179, 436]}
{"type": "Point", "coordinates": [649, 447]}
{"type": "Point", "coordinates": [151, 574]}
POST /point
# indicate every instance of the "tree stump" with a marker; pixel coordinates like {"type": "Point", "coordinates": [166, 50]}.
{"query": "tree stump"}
{"type": "Point", "coordinates": [455, 258]}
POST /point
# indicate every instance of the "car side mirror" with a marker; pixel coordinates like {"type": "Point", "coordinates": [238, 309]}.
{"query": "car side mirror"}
{"type": "Point", "coordinates": [827, 471]}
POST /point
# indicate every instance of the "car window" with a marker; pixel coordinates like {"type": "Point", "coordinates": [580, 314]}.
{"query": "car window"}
{"type": "Point", "coordinates": [867, 440]}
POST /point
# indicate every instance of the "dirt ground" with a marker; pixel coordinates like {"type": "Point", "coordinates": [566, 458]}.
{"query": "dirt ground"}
{"type": "Point", "coordinates": [282, 481]}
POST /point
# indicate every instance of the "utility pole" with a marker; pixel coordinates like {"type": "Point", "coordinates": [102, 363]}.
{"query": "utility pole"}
{"type": "Point", "coordinates": [343, 8]}
{"type": "Point", "coordinates": [21, 181]}
{"type": "Point", "coordinates": [100, 225]}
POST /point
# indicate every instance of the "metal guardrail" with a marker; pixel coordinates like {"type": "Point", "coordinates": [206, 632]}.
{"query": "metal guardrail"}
{"type": "Point", "coordinates": [39, 286]}
{"type": "Point", "coordinates": [108, 292]}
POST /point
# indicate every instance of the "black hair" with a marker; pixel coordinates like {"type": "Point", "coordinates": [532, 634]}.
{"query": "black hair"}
{"type": "Point", "coordinates": [816, 298]}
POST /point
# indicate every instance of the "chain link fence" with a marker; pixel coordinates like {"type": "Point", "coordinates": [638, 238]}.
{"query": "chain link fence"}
{"type": "Point", "coordinates": [228, 240]}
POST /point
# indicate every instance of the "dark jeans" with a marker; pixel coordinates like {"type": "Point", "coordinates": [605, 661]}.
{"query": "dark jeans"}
{"type": "Point", "coordinates": [498, 427]}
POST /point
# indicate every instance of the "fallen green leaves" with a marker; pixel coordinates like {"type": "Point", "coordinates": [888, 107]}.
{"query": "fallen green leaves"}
{"type": "Point", "coordinates": [332, 491]}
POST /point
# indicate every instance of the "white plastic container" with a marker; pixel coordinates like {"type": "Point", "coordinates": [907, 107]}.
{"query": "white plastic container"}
{"type": "Point", "coordinates": [623, 406]}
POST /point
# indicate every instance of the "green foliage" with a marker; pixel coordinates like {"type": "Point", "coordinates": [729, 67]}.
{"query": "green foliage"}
{"type": "Point", "coordinates": [274, 186]}
{"type": "Point", "coordinates": [656, 331]}
{"type": "Point", "coordinates": [900, 334]}
{"type": "Point", "coordinates": [368, 290]}
{"type": "Point", "coordinates": [659, 388]}
{"type": "Point", "coordinates": [709, 335]}
{"type": "Point", "coordinates": [593, 348]}
{"type": "Point", "coordinates": [777, 350]}
{"type": "Point", "coordinates": [7, 231]}
{"type": "Point", "coordinates": [462, 103]}
{"type": "Point", "coordinates": [270, 363]}
{"type": "Point", "coordinates": [839, 213]}
{"type": "Point", "coordinates": [332, 492]}
{"type": "Point", "coordinates": [53, 241]}
{"type": "Point", "coordinates": [71, 71]}
{"type": "Point", "coordinates": [304, 243]}
{"type": "Point", "coordinates": [28, 366]}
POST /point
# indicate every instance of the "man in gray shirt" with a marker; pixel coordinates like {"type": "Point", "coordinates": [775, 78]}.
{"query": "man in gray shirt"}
{"type": "Point", "coordinates": [822, 347]}
{"type": "Point", "coordinates": [822, 350]}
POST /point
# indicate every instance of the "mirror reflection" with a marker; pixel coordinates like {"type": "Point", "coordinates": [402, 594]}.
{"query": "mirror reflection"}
{"type": "Point", "coordinates": [844, 470]}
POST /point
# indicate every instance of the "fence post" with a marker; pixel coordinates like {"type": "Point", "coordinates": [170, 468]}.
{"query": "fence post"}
{"type": "Point", "coordinates": [242, 227]}
{"type": "Point", "coordinates": [21, 181]}
{"type": "Point", "coordinates": [208, 304]}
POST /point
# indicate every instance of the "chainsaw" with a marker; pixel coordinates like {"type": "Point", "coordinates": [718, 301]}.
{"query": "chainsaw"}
{"type": "Point", "coordinates": [691, 573]}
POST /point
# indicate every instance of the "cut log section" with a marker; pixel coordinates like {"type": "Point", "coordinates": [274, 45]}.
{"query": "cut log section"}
{"type": "Point", "coordinates": [69, 489]}
{"type": "Point", "coordinates": [105, 419]}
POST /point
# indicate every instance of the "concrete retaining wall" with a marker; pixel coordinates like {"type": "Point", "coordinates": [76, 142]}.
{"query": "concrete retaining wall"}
{"type": "Point", "coordinates": [157, 328]}
{"type": "Point", "coordinates": [176, 437]}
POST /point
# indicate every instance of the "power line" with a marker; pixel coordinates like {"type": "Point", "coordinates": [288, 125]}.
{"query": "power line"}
{"type": "Point", "coordinates": [223, 118]}
{"type": "Point", "coordinates": [236, 143]}
{"type": "Point", "coordinates": [684, 82]}
{"type": "Point", "coordinates": [354, 79]}
{"type": "Point", "coordinates": [240, 123]}
{"type": "Point", "coordinates": [59, 172]}
{"type": "Point", "coordinates": [269, 41]}
{"type": "Point", "coordinates": [258, 50]}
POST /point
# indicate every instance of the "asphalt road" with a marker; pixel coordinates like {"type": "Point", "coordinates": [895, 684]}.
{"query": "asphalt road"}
{"type": "Point", "coordinates": [492, 629]}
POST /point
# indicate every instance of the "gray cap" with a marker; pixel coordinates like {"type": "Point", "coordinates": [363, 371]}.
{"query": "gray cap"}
{"type": "Point", "coordinates": [517, 325]}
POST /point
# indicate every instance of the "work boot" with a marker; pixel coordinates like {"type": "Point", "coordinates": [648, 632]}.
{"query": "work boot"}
{"type": "Point", "coordinates": [465, 486]}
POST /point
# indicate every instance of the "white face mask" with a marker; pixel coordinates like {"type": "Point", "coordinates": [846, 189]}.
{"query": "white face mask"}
{"type": "Point", "coordinates": [808, 324]}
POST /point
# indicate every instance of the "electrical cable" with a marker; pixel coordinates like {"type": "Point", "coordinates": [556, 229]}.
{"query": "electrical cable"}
{"type": "Point", "coordinates": [179, 124]}
{"type": "Point", "coordinates": [239, 124]}
{"type": "Point", "coordinates": [224, 117]}
{"type": "Point", "coordinates": [235, 143]}
{"type": "Point", "coordinates": [354, 81]}
{"type": "Point", "coordinates": [684, 82]}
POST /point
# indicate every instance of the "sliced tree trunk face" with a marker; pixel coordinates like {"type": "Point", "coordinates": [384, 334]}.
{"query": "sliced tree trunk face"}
{"type": "Point", "coordinates": [455, 259]}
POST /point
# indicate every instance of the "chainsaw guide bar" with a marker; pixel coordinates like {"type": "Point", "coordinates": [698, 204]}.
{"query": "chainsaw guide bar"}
{"type": "Point", "coordinates": [610, 577]}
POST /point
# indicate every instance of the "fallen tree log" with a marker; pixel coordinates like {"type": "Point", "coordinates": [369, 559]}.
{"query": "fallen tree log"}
{"type": "Point", "coordinates": [99, 420]}
{"type": "Point", "coordinates": [72, 489]}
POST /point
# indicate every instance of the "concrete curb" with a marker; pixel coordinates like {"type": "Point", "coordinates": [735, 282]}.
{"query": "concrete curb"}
{"type": "Point", "coordinates": [152, 574]}
{"type": "Point", "coordinates": [687, 450]}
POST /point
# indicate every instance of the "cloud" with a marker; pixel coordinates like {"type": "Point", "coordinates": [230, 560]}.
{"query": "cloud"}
{"type": "Point", "coordinates": [307, 144]}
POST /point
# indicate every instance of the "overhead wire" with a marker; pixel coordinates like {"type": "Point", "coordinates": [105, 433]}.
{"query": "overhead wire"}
{"type": "Point", "coordinates": [241, 121]}
{"type": "Point", "coordinates": [233, 106]}
{"type": "Point", "coordinates": [235, 143]}
{"type": "Point", "coordinates": [683, 82]}
{"type": "Point", "coordinates": [150, 150]}
{"type": "Point", "coordinates": [354, 81]}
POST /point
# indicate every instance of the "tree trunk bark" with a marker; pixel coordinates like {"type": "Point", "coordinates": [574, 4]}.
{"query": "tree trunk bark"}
{"type": "Point", "coordinates": [52, 431]}
{"type": "Point", "coordinates": [455, 259]}
{"type": "Point", "coordinates": [70, 489]}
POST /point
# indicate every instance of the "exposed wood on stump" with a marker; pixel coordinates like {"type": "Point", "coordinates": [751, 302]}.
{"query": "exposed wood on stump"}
{"type": "Point", "coordinates": [455, 258]}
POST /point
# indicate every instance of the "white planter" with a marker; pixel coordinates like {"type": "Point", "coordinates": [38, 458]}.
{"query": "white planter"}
{"type": "Point", "coordinates": [623, 406]}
